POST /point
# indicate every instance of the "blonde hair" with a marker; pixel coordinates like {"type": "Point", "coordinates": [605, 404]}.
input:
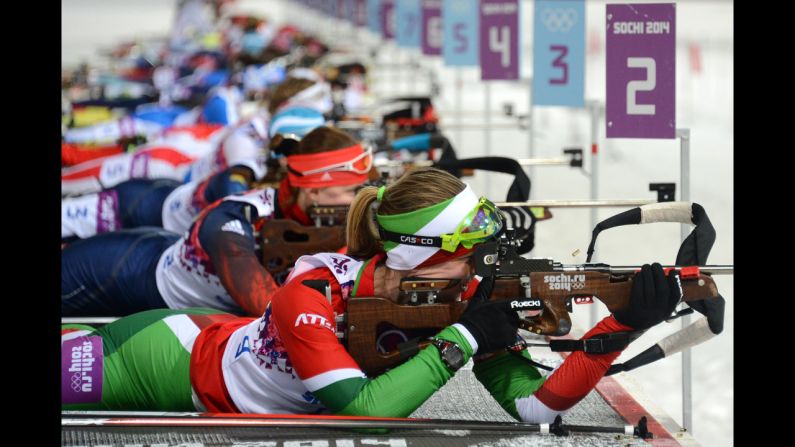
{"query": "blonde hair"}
{"type": "Point", "coordinates": [417, 189]}
{"type": "Point", "coordinates": [286, 90]}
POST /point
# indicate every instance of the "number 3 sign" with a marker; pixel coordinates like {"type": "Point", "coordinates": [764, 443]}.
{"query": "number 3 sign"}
{"type": "Point", "coordinates": [641, 71]}
{"type": "Point", "coordinates": [559, 53]}
{"type": "Point", "coordinates": [499, 39]}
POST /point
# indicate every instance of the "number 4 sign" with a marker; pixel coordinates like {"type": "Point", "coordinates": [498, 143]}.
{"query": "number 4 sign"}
{"type": "Point", "coordinates": [641, 71]}
{"type": "Point", "coordinates": [499, 39]}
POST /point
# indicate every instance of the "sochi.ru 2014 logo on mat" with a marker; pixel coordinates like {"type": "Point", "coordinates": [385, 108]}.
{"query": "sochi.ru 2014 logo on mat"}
{"type": "Point", "coordinates": [81, 370]}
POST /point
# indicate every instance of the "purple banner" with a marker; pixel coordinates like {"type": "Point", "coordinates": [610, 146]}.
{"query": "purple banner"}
{"type": "Point", "coordinates": [432, 27]}
{"type": "Point", "coordinates": [360, 13]}
{"type": "Point", "coordinates": [81, 370]}
{"type": "Point", "coordinates": [641, 71]}
{"type": "Point", "coordinates": [388, 19]}
{"type": "Point", "coordinates": [499, 39]}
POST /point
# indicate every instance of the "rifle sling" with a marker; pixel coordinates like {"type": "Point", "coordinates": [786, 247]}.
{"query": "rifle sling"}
{"type": "Point", "coordinates": [598, 344]}
{"type": "Point", "coordinates": [531, 361]}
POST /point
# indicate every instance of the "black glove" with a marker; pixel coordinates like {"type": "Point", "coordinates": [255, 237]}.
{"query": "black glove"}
{"type": "Point", "coordinates": [654, 297]}
{"type": "Point", "coordinates": [492, 323]}
{"type": "Point", "coordinates": [523, 223]}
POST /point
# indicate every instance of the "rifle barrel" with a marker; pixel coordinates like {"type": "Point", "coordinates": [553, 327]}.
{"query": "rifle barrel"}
{"type": "Point", "coordinates": [544, 161]}
{"type": "Point", "coordinates": [723, 269]}
{"type": "Point", "coordinates": [579, 203]}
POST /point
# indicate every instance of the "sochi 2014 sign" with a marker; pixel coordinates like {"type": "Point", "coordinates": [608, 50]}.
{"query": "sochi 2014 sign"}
{"type": "Point", "coordinates": [641, 71]}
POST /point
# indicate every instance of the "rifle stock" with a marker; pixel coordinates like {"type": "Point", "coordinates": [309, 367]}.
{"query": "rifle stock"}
{"type": "Point", "coordinates": [365, 314]}
{"type": "Point", "coordinates": [283, 241]}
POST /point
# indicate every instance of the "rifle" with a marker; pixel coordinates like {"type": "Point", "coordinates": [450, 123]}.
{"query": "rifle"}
{"type": "Point", "coordinates": [540, 284]}
{"type": "Point", "coordinates": [550, 287]}
{"type": "Point", "coordinates": [283, 241]}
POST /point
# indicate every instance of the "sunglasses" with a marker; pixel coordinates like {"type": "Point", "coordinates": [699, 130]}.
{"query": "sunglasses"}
{"type": "Point", "coordinates": [483, 222]}
{"type": "Point", "coordinates": [360, 164]}
{"type": "Point", "coordinates": [479, 225]}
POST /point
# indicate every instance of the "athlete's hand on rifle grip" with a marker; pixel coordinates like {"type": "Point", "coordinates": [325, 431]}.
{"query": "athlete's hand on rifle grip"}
{"type": "Point", "coordinates": [492, 324]}
{"type": "Point", "coordinates": [654, 296]}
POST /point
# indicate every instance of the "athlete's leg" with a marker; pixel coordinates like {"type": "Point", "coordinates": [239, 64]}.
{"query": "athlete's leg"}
{"type": "Point", "coordinates": [113, 274]}
{"type": "Point", "coordinates": [145, 360]}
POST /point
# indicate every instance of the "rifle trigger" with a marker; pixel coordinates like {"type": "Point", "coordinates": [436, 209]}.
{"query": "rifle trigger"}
{"type": "Point", "coordinates": [519, 346]}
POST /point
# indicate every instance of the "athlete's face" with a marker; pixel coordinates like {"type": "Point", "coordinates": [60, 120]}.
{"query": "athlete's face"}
{"type": "Point", "coordinates": [332, 195]}
{"type": "Point", "coordinates": [458, 268]}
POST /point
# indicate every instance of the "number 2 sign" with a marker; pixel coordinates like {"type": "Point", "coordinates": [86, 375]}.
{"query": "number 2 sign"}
{"type": "Point", "coordinates": [499, 39]}
{"type": "Point", "coordinates": [641, 71]}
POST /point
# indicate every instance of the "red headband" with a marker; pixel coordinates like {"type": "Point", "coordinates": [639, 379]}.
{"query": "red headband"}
{"type": "Point", "coordinates": [346, 166]}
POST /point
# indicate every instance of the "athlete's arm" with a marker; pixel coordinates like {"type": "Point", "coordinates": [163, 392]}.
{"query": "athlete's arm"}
{"type": "Point", "coordinates": [305, 320]}
{"type": "Point", "coordinates": [228, 238]}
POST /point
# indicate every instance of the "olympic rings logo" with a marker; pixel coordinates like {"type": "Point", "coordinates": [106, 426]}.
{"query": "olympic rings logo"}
{"type": "Point", "coordinates": [77, 381]}
{"type": "Point", "coordinates": [578, 285]}
{"type": "Point", "coordinates": [558, 19]}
